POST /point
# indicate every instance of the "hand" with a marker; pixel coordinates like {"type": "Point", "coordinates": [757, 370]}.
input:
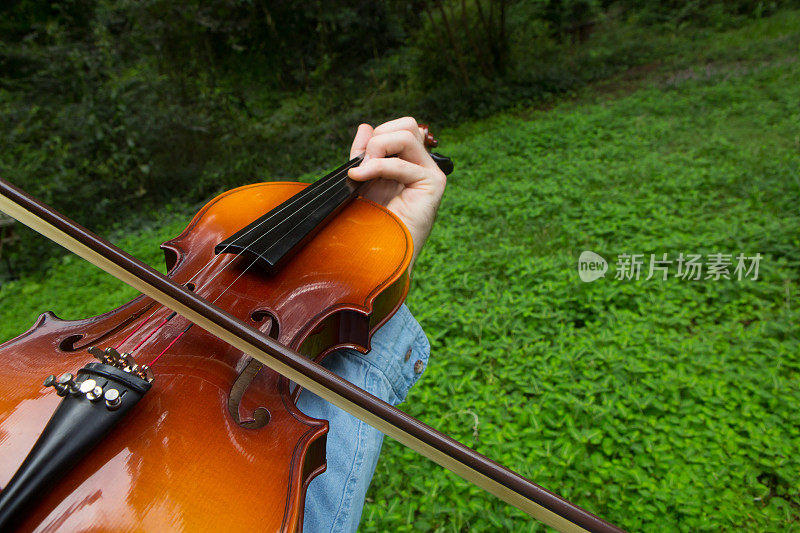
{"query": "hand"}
{"type": "Point", "coordinates": [409, 185]}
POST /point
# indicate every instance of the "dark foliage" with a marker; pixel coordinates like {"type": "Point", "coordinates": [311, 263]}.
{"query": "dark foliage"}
{"type": "Point", "coordinates": [108, 107]}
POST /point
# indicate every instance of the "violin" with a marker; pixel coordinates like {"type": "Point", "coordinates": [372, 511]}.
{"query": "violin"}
{"type": "Point", "coordinates": [177, 410]}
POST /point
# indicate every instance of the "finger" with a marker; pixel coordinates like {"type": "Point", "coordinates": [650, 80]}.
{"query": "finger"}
{"type": "Point", "coordinates": [361, 139]}
{"type": "Point", "coordinates": [401, 143]}
{"type": "Point", "coordinates": [381, 191]}
{"type": "Point", "coordinates": [401, 171]}
{"type": "Point", "coordinates": [405, 123]}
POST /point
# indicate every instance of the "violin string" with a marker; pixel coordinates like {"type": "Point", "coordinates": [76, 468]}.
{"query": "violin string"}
{"type": "Point", "coordinates": [190, 325]}
{"type": "Point", "coordinates": [145, 321]}
{"type": "Point", "coordinates": [329, 183]}
{"type": "Point", "coordinates": [321, 193]}
{"type": "Point", "coordinates": [306, 192]}
{"type": "Point", "coordinates": [295, 226]}
{"type": "Point", "coordinates": [158, 327]}
{"type": "Point", "coordinates": [255, 260]}
{"type": "Point", "coordinates": [170, 345]}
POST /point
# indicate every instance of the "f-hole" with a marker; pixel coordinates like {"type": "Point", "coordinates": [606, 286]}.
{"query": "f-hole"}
{"type": "Point", "coordinates": [261, 416]}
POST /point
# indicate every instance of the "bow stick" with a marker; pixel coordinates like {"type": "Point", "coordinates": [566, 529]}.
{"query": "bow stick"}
{"type": "Point", "coordinates": [446, 451]}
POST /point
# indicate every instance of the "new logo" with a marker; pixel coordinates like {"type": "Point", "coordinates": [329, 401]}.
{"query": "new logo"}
{"type": "Point", "coordinates": [591, 266]}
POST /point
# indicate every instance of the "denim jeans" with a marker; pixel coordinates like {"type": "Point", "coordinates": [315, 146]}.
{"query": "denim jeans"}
{"type": "Point", "coordinates": [399, 355]}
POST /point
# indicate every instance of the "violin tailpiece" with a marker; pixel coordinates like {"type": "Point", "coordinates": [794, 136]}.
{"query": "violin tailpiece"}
{"type": "Point", "coordinates": [92, 404]}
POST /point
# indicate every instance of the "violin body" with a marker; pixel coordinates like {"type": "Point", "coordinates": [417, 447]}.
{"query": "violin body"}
{"type": "Point", "coordinates": [217, 443]}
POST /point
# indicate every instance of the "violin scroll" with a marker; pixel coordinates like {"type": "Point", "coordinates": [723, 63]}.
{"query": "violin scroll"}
{"type": "Point", "coordinates": [445, 163]}
{"type": "Point", "coordinates": [428, 139]}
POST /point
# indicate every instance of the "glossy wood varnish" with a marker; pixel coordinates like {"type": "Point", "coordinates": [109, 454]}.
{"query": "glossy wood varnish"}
{"type": "Point", "coordinates": [181, 461]}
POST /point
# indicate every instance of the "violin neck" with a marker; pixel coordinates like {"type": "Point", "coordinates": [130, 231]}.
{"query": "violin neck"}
{"type": "Point", "coordinates": [274, 237]}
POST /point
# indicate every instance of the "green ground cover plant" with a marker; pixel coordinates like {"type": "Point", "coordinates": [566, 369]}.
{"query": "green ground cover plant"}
{"type": "Point", "coordinates": [659, 405]}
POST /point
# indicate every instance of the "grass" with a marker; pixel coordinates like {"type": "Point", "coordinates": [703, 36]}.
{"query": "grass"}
{"type": "Point", "coordinates": [655, 404]}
